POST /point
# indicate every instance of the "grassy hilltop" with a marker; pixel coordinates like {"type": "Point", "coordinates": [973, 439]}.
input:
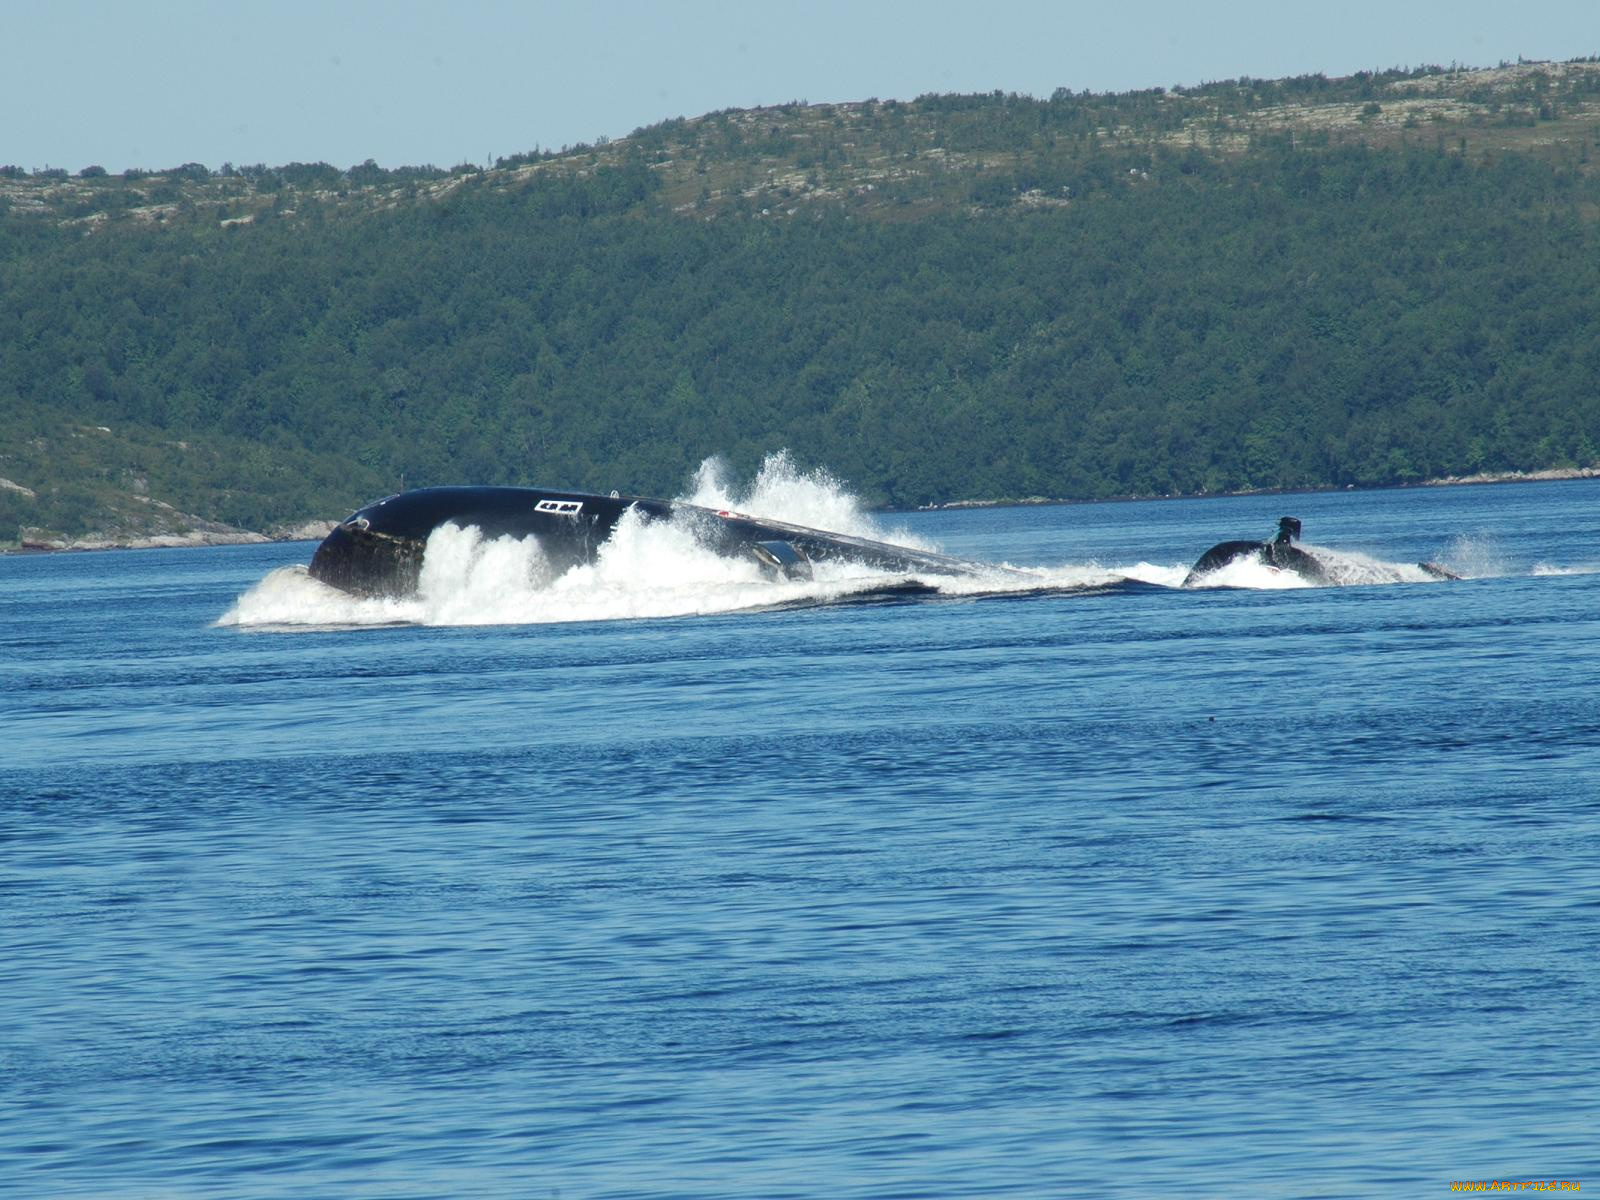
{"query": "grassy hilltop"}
{"type": "Point", "coordinates": [1249, 284]}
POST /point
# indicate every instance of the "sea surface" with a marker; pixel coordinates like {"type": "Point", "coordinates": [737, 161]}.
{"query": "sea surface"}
{"type": "Point", "coordinates": [667, 881]}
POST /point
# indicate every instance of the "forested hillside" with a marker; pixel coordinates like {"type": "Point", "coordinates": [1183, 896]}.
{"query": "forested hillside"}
{"type": "Point", "coordinates": [1249, 285]}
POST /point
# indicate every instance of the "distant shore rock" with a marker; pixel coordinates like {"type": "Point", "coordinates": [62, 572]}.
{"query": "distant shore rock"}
{"type": "Point", "coordinates": [156, 541]}
{"type": "Point", "coordinates": [305, 531]}
{"type": "Point", "coordinates": [182, 530]}
{"type": "Point", "coordinates": [1519, 476]}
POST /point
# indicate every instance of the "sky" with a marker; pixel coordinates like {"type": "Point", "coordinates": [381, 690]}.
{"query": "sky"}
{"type": "Point", "coordinates": [158, 83]}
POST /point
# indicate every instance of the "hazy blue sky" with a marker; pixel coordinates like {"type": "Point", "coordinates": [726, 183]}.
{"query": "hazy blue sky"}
{"type": "Point", "coordinates": [155, 83]}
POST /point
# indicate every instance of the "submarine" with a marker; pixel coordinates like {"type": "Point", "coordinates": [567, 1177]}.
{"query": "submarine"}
{"type": "Point", "coordinates": [1281, 552]}
{"type": "Point", "coordinates": [379, 550]}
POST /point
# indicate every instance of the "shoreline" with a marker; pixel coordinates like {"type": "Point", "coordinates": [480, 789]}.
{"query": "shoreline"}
{"type": "Point", "coordinates": [307, 531]}
{"type": "Point", "coordinates": [1548, 475]}
{"type": "Point", "coordinates": [315, 531]}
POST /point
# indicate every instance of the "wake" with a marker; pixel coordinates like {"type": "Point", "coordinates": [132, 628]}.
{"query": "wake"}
{"type": "Point", "coordinates": [660, 569]}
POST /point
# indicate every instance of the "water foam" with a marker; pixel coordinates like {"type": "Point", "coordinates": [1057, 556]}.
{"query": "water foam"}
{"type": "Point", "coordinates": [289, 598]}
{"type": "Point", "coordinates": [1344, 568]}
{"type": "Point", "coordinates": [1250, 572]}
{"type": "Point", "coordinates": [1349, 569]}
{"type": "Point", "coordinates": [781, 491]}
{"type": "Point", "coordinates": [1542, 569]}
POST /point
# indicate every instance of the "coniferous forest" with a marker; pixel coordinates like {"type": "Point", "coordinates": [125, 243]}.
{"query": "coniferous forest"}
{"type": "Point", "coordinates": [1290, 284]}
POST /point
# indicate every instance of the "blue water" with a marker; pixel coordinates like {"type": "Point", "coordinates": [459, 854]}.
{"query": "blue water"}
{"type": "Point", "coordinates": [1158, 891]}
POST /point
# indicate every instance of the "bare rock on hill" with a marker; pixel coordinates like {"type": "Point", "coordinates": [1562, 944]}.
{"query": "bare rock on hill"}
{"type": "Point", "coordinates": [305, 531]}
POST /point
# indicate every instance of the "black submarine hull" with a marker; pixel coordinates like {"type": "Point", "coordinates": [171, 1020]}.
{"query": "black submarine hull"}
{"type": "Point", "coordinates": [379, 550]}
